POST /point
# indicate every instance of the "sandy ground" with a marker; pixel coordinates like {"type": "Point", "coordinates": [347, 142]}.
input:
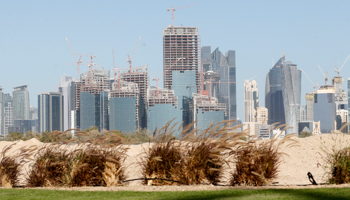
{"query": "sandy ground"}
{"type": "Point", "coordinates": [307, 157]}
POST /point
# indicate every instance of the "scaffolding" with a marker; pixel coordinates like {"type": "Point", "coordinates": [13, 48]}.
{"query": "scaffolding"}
{"type": "Point", "coordinates": [181, 52]}
{"type": "Point", "coordinates": [164, 96]}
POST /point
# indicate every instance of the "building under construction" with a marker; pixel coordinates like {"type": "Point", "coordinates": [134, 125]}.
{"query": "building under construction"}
{"type": "Point", "coordinates": [162, 107]}
{"type": "Point", "coordinates": [124, 106]}
{"type": "Point", "coordinates": [91, 99]}
{"type": "Point", "coordinates": [206, 110]}
{"type": "Point", "coordinates": [181, 52]}
{"type": "Point", "coordinates": [139, 75]}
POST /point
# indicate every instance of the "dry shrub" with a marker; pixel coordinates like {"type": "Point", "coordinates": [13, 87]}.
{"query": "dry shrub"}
{"type": "Point", "coordinates": [87, 165]}
{"type": "Point", "coordinates": [50, 167]}
{"type": "Point", "coordinates": [10, 166]}
{"type": "Point", "coordinates": [199, 157]}
{"type": "Point", "coordinates": [257, 161]}
{"type": "Point", "coordinates": [162, 157]}
{"type": "Point", "coordinates": [336, 159]}
{"type": "Point", "coordinates": [98, 166]}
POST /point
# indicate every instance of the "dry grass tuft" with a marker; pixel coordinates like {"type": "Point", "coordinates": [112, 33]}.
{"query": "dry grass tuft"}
{"type": "Point", "coordinates": [87, 165]}
{"type": "Point", "coordinates": [336, 159]}
{"type": "Point", "coordinates": [199, 157]}
{"type": "Point", "coordinates": [10, 166]}
{"type": "Point", "coordinates": [257, 161]}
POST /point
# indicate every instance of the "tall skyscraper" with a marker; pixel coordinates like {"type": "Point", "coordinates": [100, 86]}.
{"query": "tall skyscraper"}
{"type": "Point", "coordinates": [282, 94]}
{"type": "Point", "coordinates": [64, 87]}
{"type": "Point", "coordinates": [50, 111]}
{"type": "Point", "coordinates": [8, 113]}
{"type": "Point", "coordinates": [21, 103]}
{"type": "Point", "coordinates": [251, 100]}
{"type": "Point", "coordinates": [220, 72]}
{"type": "Point", "coordinates": [181, 61]}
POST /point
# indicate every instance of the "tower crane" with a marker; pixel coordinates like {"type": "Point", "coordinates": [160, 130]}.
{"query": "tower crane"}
{"type": "Point", "coordinates": [156, 79]}
{"type": "Point", "coordinates": [336, 69]}
{"type": "Point", "coordinates": [172, 9]}
{"type": "Point", "coordinates": [326, 75]}
{"type": "Point", "coordinates": [129, 60]}
{"type": "Point", "coordinates": [78, 61]}
{"type": "Point", "coordinates": [314, 85]}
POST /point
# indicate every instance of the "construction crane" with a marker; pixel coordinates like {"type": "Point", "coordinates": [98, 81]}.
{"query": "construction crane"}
{"type": "Point", "coordinates": [325, 75]}
{"type": "Point", "coordinates": [252, 77]}
{"type": "Point", "coordinates": [129, 60]}
{"type": "Point", "coordinates": [78, 61]}
{"type": "Point", "coordinates": [314, 85]}
{"type": "Point", "coordinates": [336, 69]}
{"type": "Point", "coordinates": [156, 79]}
{"type": "Point", "coordinates": [172, 9]}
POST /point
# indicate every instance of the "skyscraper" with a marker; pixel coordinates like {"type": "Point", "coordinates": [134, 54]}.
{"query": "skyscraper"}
{"type": "Point", "coordinates": [21, 103]}
{"type": "Point", "coordinates": [50, 111]}
{"type": "Point", "coordinates": [92, 98]}
{"type": "Point", "coordinates": [220, 73]}
{"type": "Point", "coordinates": [1, 113]}
{"type": "Point", "coordinates": [181, 61]}
{"type": "Point", "coordinates": [282, 94]}
{"type": "Point", "coordinates": [8, 113]}
{"type": "Point", "coordinates": [251, 100]}
{"type": "Point", "coordinates": [64, 87]}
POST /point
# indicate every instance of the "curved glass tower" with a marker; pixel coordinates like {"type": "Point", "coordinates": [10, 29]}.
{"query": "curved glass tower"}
{"type": "Point", "coordinates": [282, 94]}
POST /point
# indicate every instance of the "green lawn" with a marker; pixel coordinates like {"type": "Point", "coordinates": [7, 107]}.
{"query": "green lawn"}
{"type": "Point", "coordinates": [322, 193]}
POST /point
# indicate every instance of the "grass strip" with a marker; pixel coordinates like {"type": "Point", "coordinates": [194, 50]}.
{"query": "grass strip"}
{"type": "Point", "coordinates": [315, 194]}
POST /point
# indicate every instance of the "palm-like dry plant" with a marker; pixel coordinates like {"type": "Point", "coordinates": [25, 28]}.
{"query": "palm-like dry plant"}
{"type": "Point", "coordinates": [10, 166]}
{"type": "Point", "coordinates": [257, 161]}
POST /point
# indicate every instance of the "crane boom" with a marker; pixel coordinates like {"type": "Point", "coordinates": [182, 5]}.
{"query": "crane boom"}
{"type": "Point", "coordinates": [172, 9]}
{"type": "Point", "coordinates": [343, 64]}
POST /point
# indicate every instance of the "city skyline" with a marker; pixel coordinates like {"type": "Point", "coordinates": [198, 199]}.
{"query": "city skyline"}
{"type": "Point", "coordinates": [35, 52]}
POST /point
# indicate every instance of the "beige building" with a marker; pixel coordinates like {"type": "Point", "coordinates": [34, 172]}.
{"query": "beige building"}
{"type": "Point", "coordinates": [262, 115]}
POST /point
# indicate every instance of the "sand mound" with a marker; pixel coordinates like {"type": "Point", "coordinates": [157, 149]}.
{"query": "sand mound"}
{"type": "Point", "coordinates": [307, 157]}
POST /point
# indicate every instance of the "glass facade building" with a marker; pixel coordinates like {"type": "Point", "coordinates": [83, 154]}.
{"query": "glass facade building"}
{"type": "Point", "coordinates": [204, 119]}
{"type": "Point", "coordinates": [224, 86]}
{"type": "Point", "coordinates": [283, 94]}
{"type": "Point", "coordinates": [325, 110]}
{"type": "Point", "coordinates": [94, 110]}
{"type": "Point", "coordinates": [159, 114]}
{"type": "Point", "coordinates": [50, 111]}
{"type": "Point", "coordinates": [123, 114]}
{"type": "Point", "coordinates": [21, 103]}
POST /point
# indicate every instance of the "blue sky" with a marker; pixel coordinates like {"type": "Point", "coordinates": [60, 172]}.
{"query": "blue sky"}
{"type": "Point", "coordinates": [34, 52]}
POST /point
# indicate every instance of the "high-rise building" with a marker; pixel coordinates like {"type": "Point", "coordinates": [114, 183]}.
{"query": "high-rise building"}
{"type": "Point", "coordinates": [325, 108]}
{"type": "Point", "coordinates": [181, 52]}
{"type": "Point", "coordinates": [64, 87]}
{"type": "Point", "coordinates": [251, 100]}
{"type": "Point", "coordinates": [21, 103]}
{"type": "Point", "coordinates": [282, 94]}
{"type": "Point", "coordinates": [124, 107]}
{"type": "Point", "coordinates": [181, 61]}
{"type": "Point", "coordinates": [220, 74]}
{"type": "Point", "coordinates": [341, 102]}
{"type": "Point", "coordinates": [50, 111]}
{"type": "Point", "coordinates": [8, 113]}
{"type": "Point", "coordinates": [309, 107]}
{"type": "Point", "coordinates": [91, 99]}
{"type": "Point", "coordinates": [139, 75]}
{"type": "Point", "coordinates": [206, 110]}
{"type": "Point", "coordinates": [162, 108]}
{"type": "Point", "coordinates": [262, 115]}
